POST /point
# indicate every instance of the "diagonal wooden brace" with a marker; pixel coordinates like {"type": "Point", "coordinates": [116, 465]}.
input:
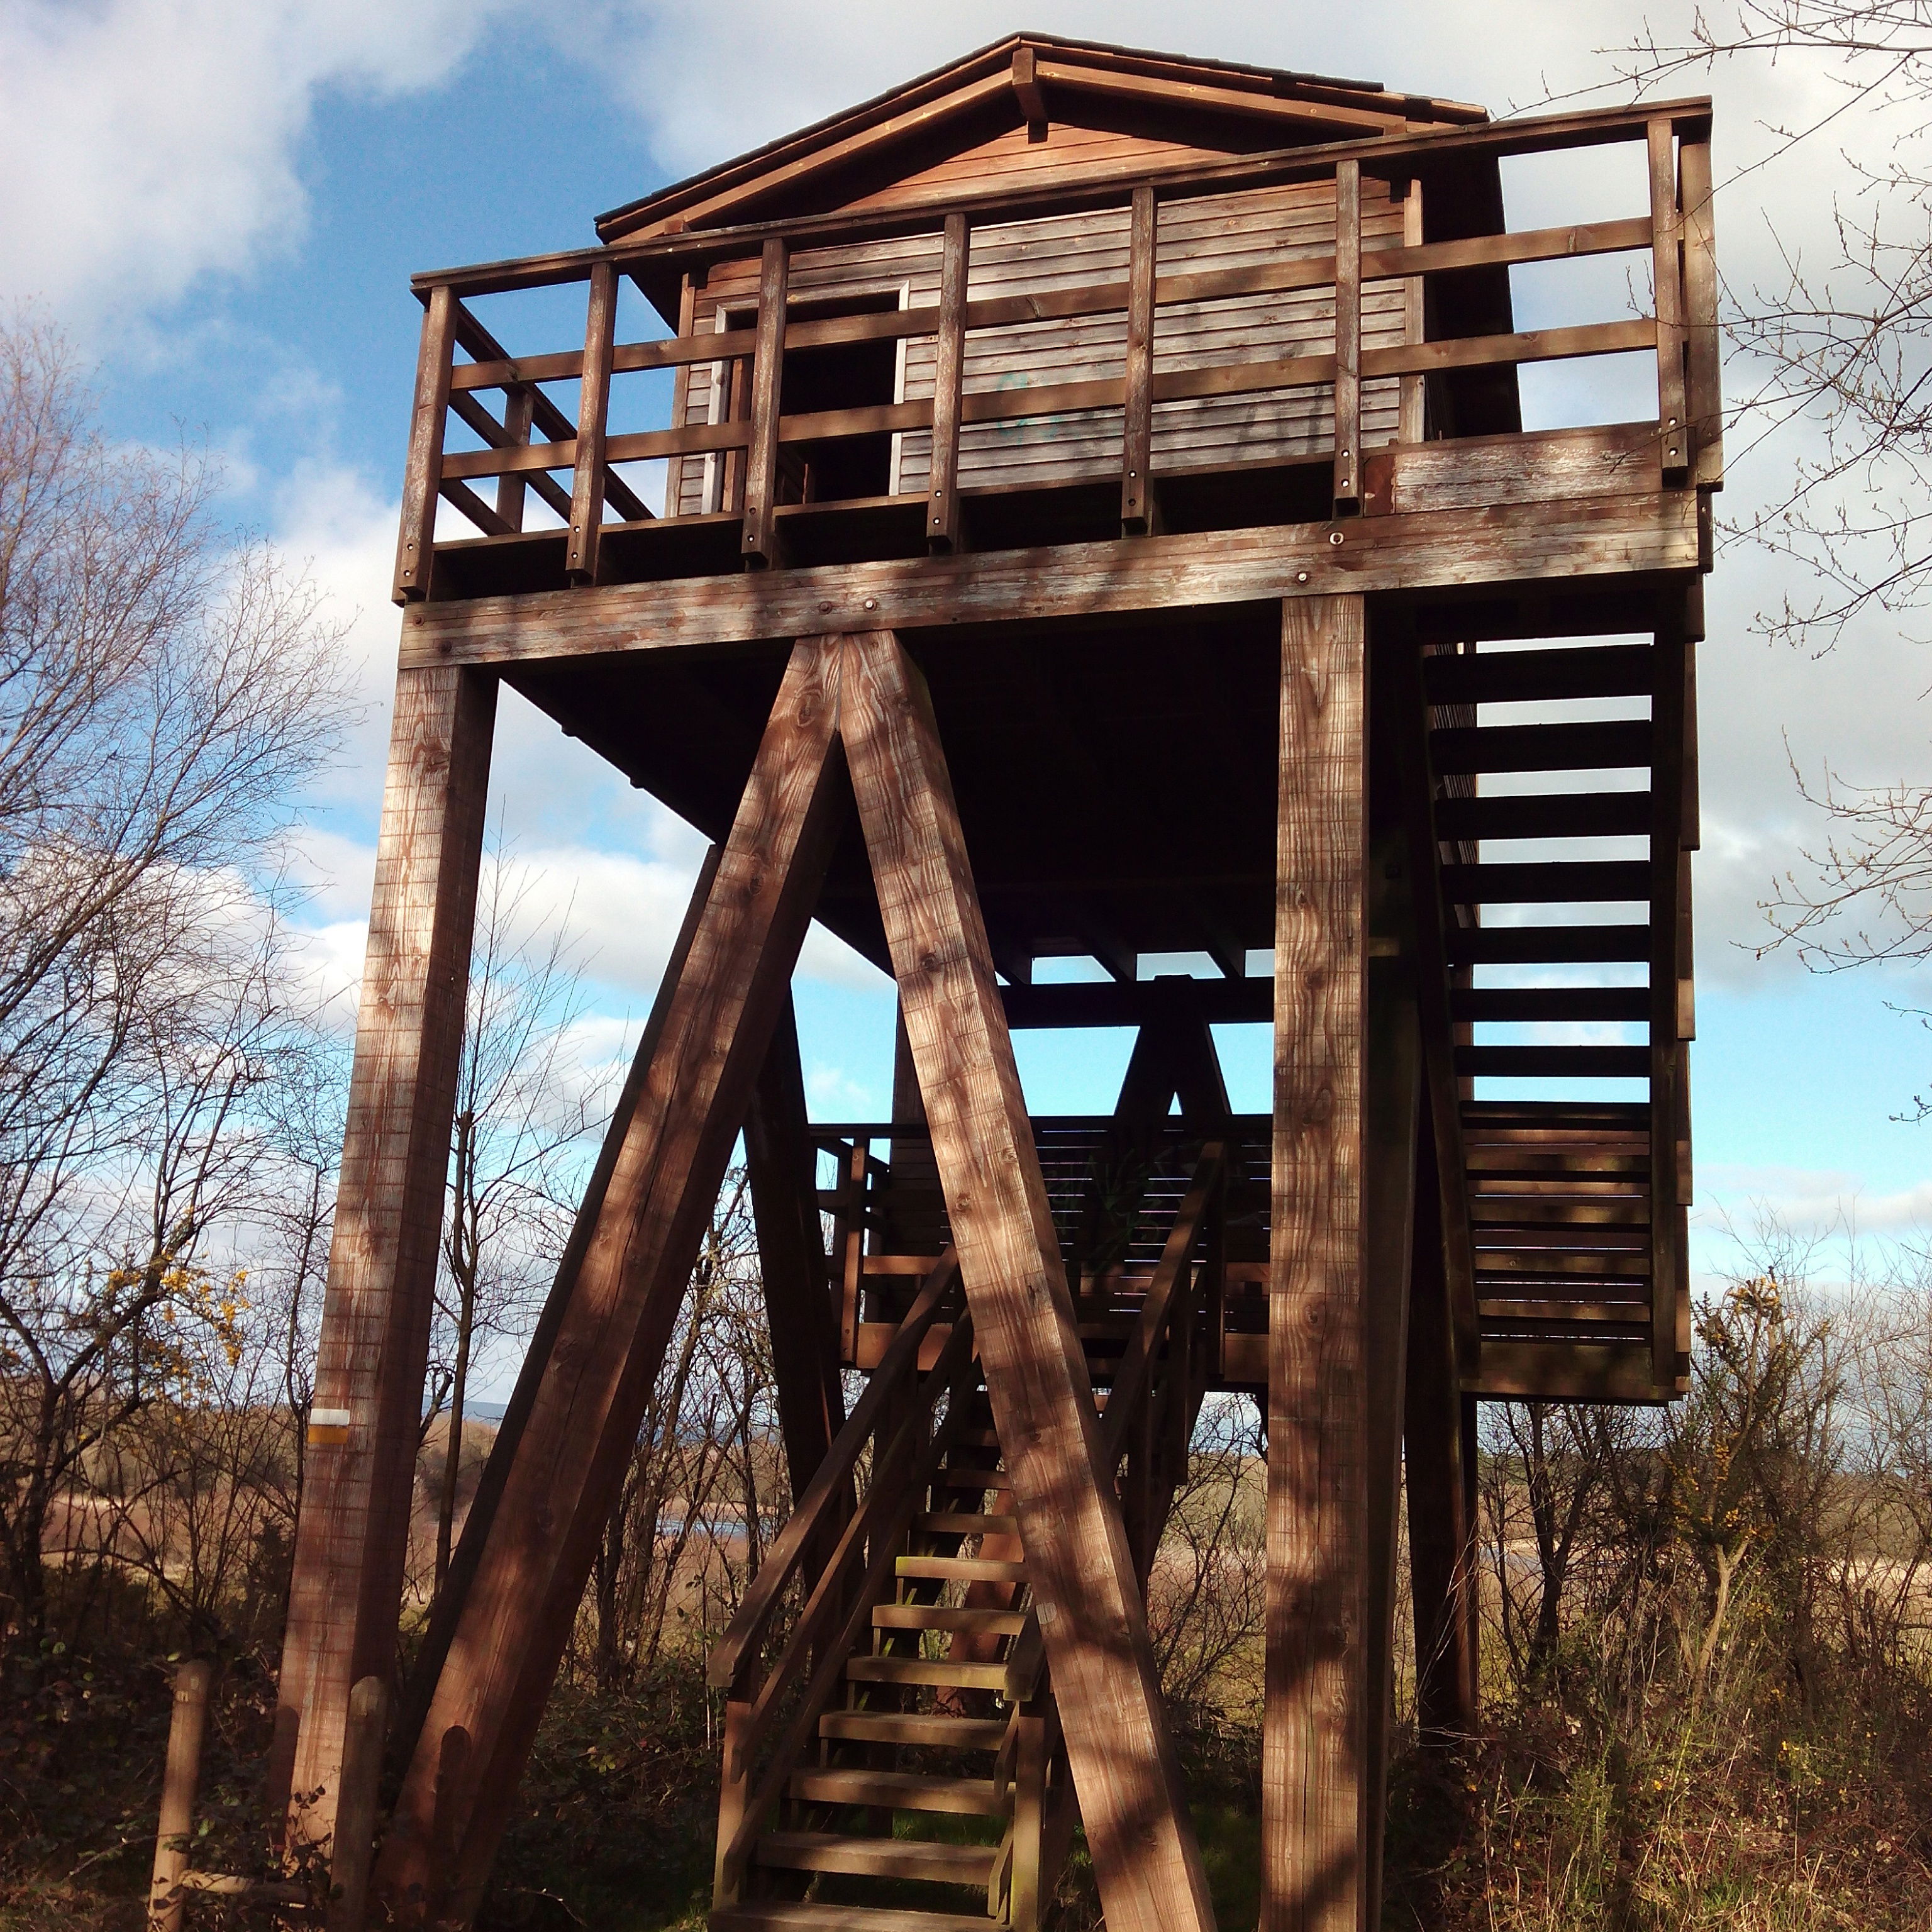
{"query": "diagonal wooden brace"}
{"type": "Point", "coordinates": [515, 1621]}
{"type": "Point", "coordinates": [1090, 1611]}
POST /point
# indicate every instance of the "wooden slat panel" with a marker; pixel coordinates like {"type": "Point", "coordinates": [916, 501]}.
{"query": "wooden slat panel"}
{"type": "Point", "coordinates": [1548, 945]}
{"type": "Point", "coordinates": [635, 1269]}
{"type": "Point", "coordinates": [1613, 814]}
{"type": "Point", "coordinates": [1312, 1775]}
{"type": "Point", "coordinates": [1554, 1062]}
{"type": "Point", "coordinates": [1542, 748]}
{"type": "Point", "coordinates": [1500, 677]}
{"type": "Point", "coordinates": [1090, 1611]}
{"type": "Point", "coordinates": [1553, 883]}
{"type": "Point", "coordinates": [1551, 1005]}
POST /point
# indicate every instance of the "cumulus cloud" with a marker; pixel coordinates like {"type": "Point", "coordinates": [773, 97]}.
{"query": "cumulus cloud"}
{"type": "Point", "coordinates": [148, 143]}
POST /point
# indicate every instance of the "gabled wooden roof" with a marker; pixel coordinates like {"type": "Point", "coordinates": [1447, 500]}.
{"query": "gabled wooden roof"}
{"type": "Point", "coordinates": [1026, 106]}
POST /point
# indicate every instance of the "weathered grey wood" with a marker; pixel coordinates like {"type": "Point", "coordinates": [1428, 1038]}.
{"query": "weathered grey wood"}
{"type": "Point", "coordinates": [1137, 436]}
{"type": "Point", "coordinates": [1348, 335]}
{"type": "Point", "coordinates": [1313, 1782]}
{"type": "Point", "coordinates": [586, 494]}
{"type": "Point", "coordinates": [1091, 1613]}
{"type": "Point", "coordinates": [942, 516]}
{"type": "Point", "coordinates": [1667, 272]}
{"type": "Point", "coordinates": [1635, 535]}
{"type": "Point", "coordinates": [558, 1492]}
{"type": "Point", "coordinates": [761, 465]}
{"type": "Point", "coordinates": [422, 475]}
{"type": "Point", "coordinates": [359, 1479]}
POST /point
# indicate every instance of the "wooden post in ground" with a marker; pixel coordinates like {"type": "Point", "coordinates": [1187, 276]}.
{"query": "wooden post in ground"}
{"type": "Point", "coordinates": [361, 1474]}
{"type": "Point", "coordinates": [1091, 1617]}
{"type": "Point", "coordinates": [1312, 1785]}
{"type": "Point", "coordinates": [167, 1896]}
{"type": "Point", "coordinates": [354, 1844]}
{"type": "Point", "coordinates": [636, 1266]}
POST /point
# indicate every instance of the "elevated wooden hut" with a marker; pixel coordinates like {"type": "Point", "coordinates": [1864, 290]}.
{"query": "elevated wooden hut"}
{"type": "Point", "coordinates": [1084, 507]}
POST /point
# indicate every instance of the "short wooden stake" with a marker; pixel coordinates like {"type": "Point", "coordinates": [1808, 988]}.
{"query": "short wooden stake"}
{"type": "Point", "coordinates": [167, 1895]}
{"type": "Point", "coordinates": [356, 1806]}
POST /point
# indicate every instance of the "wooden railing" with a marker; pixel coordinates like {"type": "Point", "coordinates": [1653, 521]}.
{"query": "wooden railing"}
{"type": "Point", "coordinates": [531, 443]}
{"type": "Point", "coordinates": [760, 1752]}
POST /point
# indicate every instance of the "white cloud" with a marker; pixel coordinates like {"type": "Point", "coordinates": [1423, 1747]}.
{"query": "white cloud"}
{"type": "Point", "coordinates": [148, 143]}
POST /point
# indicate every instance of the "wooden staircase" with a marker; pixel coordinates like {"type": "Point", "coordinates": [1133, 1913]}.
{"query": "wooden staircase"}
{"type": "Point", "coordinates": [897, 1767]}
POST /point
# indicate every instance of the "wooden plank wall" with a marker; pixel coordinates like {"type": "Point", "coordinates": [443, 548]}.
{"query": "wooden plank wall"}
{"type": "Point", "coordinates": [1071, 251]}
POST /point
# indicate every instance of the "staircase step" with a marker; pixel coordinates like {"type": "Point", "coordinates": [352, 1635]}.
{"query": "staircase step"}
{"type": "Point", "coordinates": [794, 1915]}
{"type": "Point", "coordinates": [920, 1728]}
{"type": "Point", "coordinates": [966, 1522]}
{"type": "Point", "coordinates": [900, 1791]}
{"type": "Point", "coordinates": [877, 1857]}
{"type": "Point", "coordinates": [960, 1569]}
{"type": "Point", "coordinates": [970, 1477]}
{"type": "Point", "coordinates": [941, 1617]}
{"type": "Point", "coordinates": [926, 1670]}
{"type": "Point", "coordinates": [976, 1438]}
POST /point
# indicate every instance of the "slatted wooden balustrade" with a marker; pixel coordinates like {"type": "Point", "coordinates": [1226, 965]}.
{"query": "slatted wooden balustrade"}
{"type": "Point", "coordinates": [572, 459]}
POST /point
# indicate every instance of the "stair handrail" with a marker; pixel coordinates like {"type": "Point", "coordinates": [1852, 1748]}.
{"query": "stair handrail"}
{"type": "Point", "coordinates": [873, 1533]}
{"type": "Point", "coordinates": [1133, 1376]}
{"type": "Point", "coordinates": [831, 1485]}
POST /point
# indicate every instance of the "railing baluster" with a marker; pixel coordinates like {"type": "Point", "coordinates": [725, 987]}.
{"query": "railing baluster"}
{"type": "Point", "coordinates": [519, 400]}
{"type": "Point", "coordinates": [1667, 276]}
{"type": "Point", "coordinates": [1411, 415]}
{"type": "Point", "coordinates": [1137, 435]}
{"type": "Point", "coordinates": [1704, 396]}
{"type": "Point", "coordinates": [422, 479]}
{"type": "Point", "coordinates": [587, 493]}
{"type": "Point", "coordinates": [949, 370]}
{"type": "Point", "coordinates": [761, 467]}
{"type": "Point", "coordinates": [1348, 336]}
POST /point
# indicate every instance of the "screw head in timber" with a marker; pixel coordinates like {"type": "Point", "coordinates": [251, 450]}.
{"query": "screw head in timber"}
{"type": "Point", "coordinates": [1335, 538]}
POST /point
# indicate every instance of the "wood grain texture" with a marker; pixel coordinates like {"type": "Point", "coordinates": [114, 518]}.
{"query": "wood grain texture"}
{"type": "Point", "coordinates": [1613, 536]}
{"type": "Point", "coordinates": [422, 473]}
{"type": "Point", "coordinates": [942, 519]}
{"type": "Point", "coordinates": [1313, 1786]}
{"type": "Point", "coordinates": [586, 494]}
{"type": "Point", "coordinates": [634, 1271]}
{"type": "Point", "coordinates": [761, 462]}
{"type": "Point", "coordinates": [351, 1537]}
{"type": "Point", "coordinates": [1347, 435]}
{"type": "Point", "coordinates": [1137, 440]}
{"type": "Point", "coordinates": [1091, 1616]}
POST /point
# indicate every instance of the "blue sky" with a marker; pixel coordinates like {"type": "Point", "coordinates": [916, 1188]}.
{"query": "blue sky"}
{"type": "Point", "coordinates": [222, 201]}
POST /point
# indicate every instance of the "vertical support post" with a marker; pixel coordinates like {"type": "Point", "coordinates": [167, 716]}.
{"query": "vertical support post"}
{"type": "Point", "coordinates": [1666, 1053]}
{"type": "Point", "coordinates": [949, 370]}
{"type": "Point", "coordinates": [1703, 389]}
{"type": "Point", "coordinates": [1030, 1763]}
{"type": "Point", "coordinates": [519, 401]}
{"type": "Point", "coordinates": [1137, 433]}
{"type": "Point", "coordinates": [1092, 1621]}
{"type": "Point", "coordinates": [761, 458]}
{"type": "Point", "coordinates": [1441, 1526]}
{"type": "Point", "coordinates": [781, 1164]}
{"type": "Point", "coordinates": [355, 1840]}
{"type": "Point", "coordinates": [1312, 1782]}
{"type": "Point", "coordinates": [352, 1535]}
{"type": "Point", "coordinates": [422, 475]}
{"type": "Point", "coordinates": [1411, 392]}
{"type": "Point", "coordinates": [167, 1897]}
{"type": "Point", "coordinates": [1348, 337]}
{"type": "Point", "coordinates": [593, 406]}
{"type": "Point", "coordinates": [556, 1496]}
{"type": "Point", "coordinates": [1667, 276]}
{"type": "Point", "coordinates": [733, 1791]}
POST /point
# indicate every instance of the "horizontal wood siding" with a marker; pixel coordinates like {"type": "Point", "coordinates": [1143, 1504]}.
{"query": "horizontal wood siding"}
{"type": "Point", "coordinates": [1295, 222]}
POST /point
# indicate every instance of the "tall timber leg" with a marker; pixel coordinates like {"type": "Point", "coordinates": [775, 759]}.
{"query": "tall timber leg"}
{"type": "Point", "coordinates": [636, 1266]}
{"type": "Point", "coordinates": [1091, 1616]}
{"type": "Point", "coordinates": [1314, 1789]}
{"type": "Point", "coordinates": [351, 1540]}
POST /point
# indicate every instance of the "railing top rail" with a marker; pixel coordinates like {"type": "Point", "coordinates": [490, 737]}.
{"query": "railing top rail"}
{"type": "Point", "coordinates": [1382, 156]}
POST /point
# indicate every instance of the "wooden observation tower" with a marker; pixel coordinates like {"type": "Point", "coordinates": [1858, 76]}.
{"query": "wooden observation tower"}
{"type": "Point", "coordinates": [1096, 518]}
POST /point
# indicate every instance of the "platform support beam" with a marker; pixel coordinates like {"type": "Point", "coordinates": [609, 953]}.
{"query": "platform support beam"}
{"type": "Point", "coordinates": [1314, 1789]}
{"type": "Point", "coordinates": [351, 1540]}
{"type": "Point", "coordinates": [1092, 1619]}
{"type": "Point", "coordinates": [635, 1269]}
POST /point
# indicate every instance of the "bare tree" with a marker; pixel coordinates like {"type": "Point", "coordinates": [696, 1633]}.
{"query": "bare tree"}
{"type": "Point", "coordinates": [162, 696]}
